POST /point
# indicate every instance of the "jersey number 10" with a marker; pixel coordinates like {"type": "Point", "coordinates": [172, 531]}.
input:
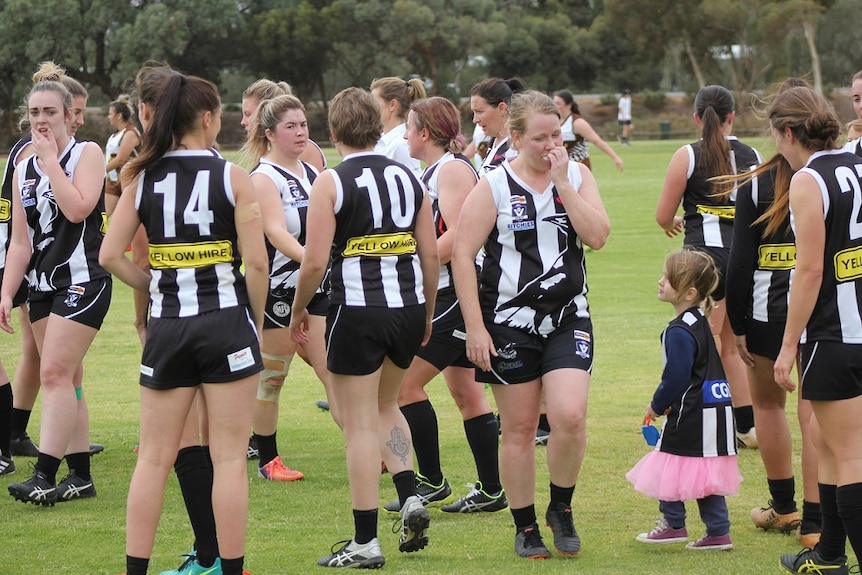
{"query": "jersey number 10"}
{"type": "Point", "coordinates": [401, 213]}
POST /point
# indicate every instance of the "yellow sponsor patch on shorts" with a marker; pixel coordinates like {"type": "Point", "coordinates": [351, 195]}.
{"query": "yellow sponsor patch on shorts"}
{"type": "Point", "coordinates": [848, 264]}
{"type": "Point", "coordinates": [194, 255]}
{"type": "Point", "coordinates": [5, 210]}
{"type": "Point", "coordinates": [726, 212]}
{"type": "Point", "coordinates": [380, 245]}
{"type": "Point", "coordinates": [776, 257]}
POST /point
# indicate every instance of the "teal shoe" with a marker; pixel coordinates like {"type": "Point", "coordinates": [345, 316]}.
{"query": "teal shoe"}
{"type": "Point", "coordinates": [191, 567]}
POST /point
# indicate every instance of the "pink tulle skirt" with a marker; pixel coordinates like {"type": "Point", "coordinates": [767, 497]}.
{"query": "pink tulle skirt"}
{"type": "Point", "coordinates": [669, 477]}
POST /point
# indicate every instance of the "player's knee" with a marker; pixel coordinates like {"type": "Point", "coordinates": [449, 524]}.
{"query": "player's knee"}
{"type": "Point", "coordinates": [269, 389]}
{"type": "Point", "coordinates": [275, 368]}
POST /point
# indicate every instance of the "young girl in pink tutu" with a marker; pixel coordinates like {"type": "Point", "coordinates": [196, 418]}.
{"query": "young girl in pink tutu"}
{"type": "Point", "coordinates": [695, 457]}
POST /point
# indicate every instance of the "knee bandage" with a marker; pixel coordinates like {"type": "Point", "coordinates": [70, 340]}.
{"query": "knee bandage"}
{"type": "Point", "coordinates": [275, 368]}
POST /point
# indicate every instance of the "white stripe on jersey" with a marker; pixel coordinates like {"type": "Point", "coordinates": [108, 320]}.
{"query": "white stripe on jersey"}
{"type": "Point", "coordinates": [353, 292]}
{"type": "Point", "coordinates": [156, 296]}
{"type": "Point", "coordinates": [848, 313]}
{"type": "Point", "coordinates": [188, 293]}
{"type": "Point", "coordinates": [78, 258]}
{"type": "Point", "coordinates": [389, 279]}
{"type": "Point", "coordinates": [690, 170]}
{"type": "Point", "coordinates": [711, 231]}
{"type": "Point", "coordinates": [729, 431]}
{"type": "Point", "coordinates": [228, 188]}
{"type": "Point", "coordinates": [821, 183]}
{"type": "Point", "coordinates": [226, 292]}
{"type": "Point", "coordinates": [760, 295]}
{"type": "Point", "coordinates": [710, 423]}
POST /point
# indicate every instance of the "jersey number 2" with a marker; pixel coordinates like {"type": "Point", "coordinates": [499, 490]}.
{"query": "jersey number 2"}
{"type": "Point", "coordinates": [849, 181]}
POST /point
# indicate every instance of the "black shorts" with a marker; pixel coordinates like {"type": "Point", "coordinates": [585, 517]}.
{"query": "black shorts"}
{"type": "Point", "coordinates": [214, 347]}
{"type": "Point", "coordinates": [830, 370]}
{"type": "Point", "coordinates": [447, 345]}
{"type": "Point", "coordinates": [358, 339]}
{"type": "Point", "coordinates": [721, 258]}
{"type": "Point", "coordinates": [624, 122]}
{"type": "Point", "coordinates": [278, 307]}
{"type": "Point", "coordinates": [86, 303]}
{"type": "Point", "coordinates": [764, 338]}
{"type": "Point", "coordinates": [523, 357]}
{"type": "Point", "coordinates": [20, 296]}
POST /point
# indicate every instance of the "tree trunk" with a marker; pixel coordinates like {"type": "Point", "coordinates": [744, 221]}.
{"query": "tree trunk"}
{"type": "Point", "coordinates": [431, 64]}
{"type": "Point", "coordinates": [695, 67]}
{"type": "Point", "coordinates": [809, 29]}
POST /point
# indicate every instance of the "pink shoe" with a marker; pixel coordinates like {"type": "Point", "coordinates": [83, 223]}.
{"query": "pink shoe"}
{"type": "Point", "coordinates": [711, 543]}
{"type": "Point", "coordinates": [663, 533]}
{"type": "Point", "coordinates": [275, 470]}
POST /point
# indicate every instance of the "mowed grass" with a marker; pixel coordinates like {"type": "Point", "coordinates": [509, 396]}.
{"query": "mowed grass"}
{"type": "Point", "coordinates": [291, 525]}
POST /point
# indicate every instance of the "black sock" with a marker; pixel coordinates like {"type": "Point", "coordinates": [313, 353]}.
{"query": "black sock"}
{"type": "Point", "coordinates": [422, 420]}
{"type": "Point", "coordinates": [20, 420]}
{"type": "Point", "coordinates": [849, 500]}
{"type": "Point", "coordinates": [811, 517]}
{"type": "Point", "coordinates": [524, 517]}
{"type": "Point", "coordinates": [208, 457]}
{"type": "Point", "coordinates": [268, 448]}
{"type": "Point", "coordinates": [832, 536]}
{"type": "Point", "coordinates": [232, 566]}
{"type": "Point", "coordinates": [365, 525]}
{"type": "Point", "coordinates": [194, 473]}
{"type": "Point", "coordinates": [543, 422]}
{"type": "Point", "coordinates": [483, 436]}
{"type": "Point", "coordinates": [405, 485]}
{"type": "Point", "coordinates": [136, 565]}
{"type": "Point", "coordinates": [49, 466]}
{"type": "Point", "coordinates": [744, 417]}
{"type": "Point", "coordinates": [783, 492]}
{"type": "Point", "coordinates": [5, 418]}
{"type": "Point", "coordinates": [79, 463]}
{"type": "Point", "coordinates": [561, 495]}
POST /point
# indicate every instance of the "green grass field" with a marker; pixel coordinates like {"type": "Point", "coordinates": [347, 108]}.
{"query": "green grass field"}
{"type": "Point", "coordinates": [291, 525]}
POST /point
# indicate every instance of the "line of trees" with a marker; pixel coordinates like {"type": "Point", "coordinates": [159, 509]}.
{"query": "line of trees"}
{"type": "Point", "coordinates": [320, 46]}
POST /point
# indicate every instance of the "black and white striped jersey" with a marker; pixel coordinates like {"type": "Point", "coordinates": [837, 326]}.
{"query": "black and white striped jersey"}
{"type": "Point", "coordinates": [760, 268]}
{"type": "Point", "coordinates": [374, 259]}
{"type": "Point", "coordinates": [186, 203]}
{"type": "Point", "coordinates": [854, 146]}
{"type": "Point", "coordinates": [64, 253]}
{"type": "Point", "coordinates": [498, 152]}
{"type": "Point", "coordinates": [700, 422]}
{"type": "Point", "coordinates": [293, 189]}
{"type": "Point", "coordinates": [708, 220]}
{"type": "Point", "coordinates": [837, 314]}
{"type": "Point", "coordinates": [533, 275]}
{"type": "Point", "coordinates": [429, 177]}
{"type": "Point", "coordinates": [6, 197]}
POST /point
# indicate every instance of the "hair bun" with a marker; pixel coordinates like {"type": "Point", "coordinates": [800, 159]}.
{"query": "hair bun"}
{"type": "Point", "coordinates": [48, 71]}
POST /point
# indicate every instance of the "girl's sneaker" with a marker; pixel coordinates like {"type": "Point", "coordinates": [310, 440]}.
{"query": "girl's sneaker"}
{"type": "Point", "coordinates": [663, 533]}
{"type": "Point", "coordinates": [711, 543]}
